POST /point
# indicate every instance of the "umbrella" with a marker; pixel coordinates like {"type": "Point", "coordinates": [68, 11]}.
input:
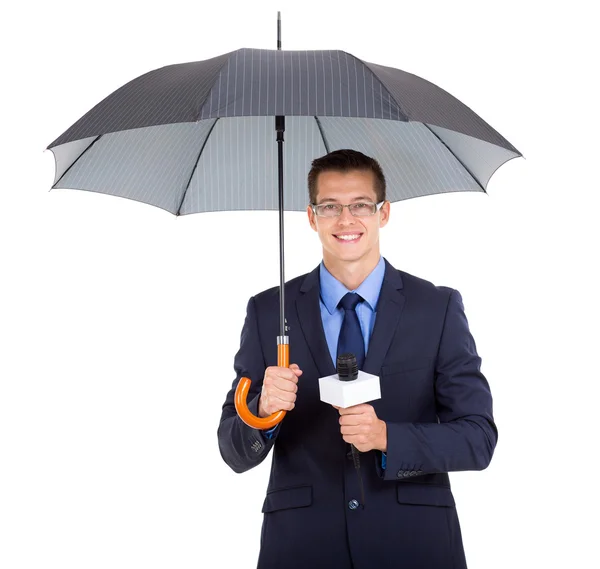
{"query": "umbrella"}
{"type": "Point", "coordinates": [199, 137]}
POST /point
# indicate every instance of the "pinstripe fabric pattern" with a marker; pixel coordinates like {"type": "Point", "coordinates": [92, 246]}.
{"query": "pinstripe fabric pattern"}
{"type": "Point", "coordinates": [303, 83]}
{"type": "Point", "coordinates": [425, 102]}
{"type": "Point", "coordinates": [414, 162]}
{"type": "Point", "coordinates": [201, 136]}
{"type": "Point", "coordinates": [261, 82]}
{"type": "Point", "coordinates": [231, 163]}
{"type": "Point", "coordinates": [480, 158]}
{"type": "Point", "coordinates": [152, 165]}
{"type": "Point", "coordinates": [66, 154]}
{"type": "Point", "coordinates": [171, 94]}
{"type": "Point", "coordinates": [238, 168]}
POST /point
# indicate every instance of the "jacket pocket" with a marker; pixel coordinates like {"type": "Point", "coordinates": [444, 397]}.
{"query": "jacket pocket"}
{"type": "Point", "coordinates": [298, 497]}
{"type": "Point", "coordinates": [424, 494]}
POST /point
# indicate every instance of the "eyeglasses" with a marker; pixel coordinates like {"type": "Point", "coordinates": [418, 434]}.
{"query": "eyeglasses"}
{"type": "Point", "coordinates": [358, 209]}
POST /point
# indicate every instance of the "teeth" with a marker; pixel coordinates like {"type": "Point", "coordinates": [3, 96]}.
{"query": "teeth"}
{"type": "Point", "coordinates": [348, 237]}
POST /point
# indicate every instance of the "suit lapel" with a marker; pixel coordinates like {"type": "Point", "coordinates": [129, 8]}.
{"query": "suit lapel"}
{"type": "Point", "coordinates": [389, 309]}
{"type": "Point", "coordinates": [309, 316]}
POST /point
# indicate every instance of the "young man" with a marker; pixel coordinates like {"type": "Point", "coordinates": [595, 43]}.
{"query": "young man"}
{"type": "Point", "coordinates": [434, 415]}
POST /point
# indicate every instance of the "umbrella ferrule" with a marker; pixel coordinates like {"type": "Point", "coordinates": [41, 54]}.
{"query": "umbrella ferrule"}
{"type": "Point", "coordinates": [283, 340]}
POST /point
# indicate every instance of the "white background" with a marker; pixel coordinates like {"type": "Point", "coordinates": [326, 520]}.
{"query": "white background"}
{"type": "Point", "coordinates": [119, 321]}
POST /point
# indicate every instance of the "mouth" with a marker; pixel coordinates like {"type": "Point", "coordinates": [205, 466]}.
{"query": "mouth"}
{"type": "Point", "coordinates": [347, 237]}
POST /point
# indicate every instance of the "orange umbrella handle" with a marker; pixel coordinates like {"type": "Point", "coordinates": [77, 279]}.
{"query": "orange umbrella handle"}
{"type": "Point", "coordinates": [241, 393]}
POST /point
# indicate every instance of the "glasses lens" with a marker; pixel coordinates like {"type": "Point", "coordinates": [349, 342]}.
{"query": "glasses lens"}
{"type": "Point", "coordinates": [329, 209]}
{"type": "Point", "coordinates": [362, 209]}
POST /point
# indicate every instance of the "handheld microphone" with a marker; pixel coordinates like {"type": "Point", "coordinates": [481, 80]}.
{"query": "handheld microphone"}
{"type": "Point", "coordinates": [350, 386]}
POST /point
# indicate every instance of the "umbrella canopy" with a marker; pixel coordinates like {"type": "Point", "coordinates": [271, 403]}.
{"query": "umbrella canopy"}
{"type": "Point", "coordinates": [198, 137]}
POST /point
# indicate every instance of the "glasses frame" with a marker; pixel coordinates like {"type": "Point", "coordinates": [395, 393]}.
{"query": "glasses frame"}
{"type": "Point", "coordinates": [378, 206]}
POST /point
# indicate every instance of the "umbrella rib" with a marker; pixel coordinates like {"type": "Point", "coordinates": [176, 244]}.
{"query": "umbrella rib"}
{"type": "Point", "coordinates": [187, 186]}
{"type": "Point", "coordinates": [322, 134]}
{"type": "Point", "coordinates": [456, 157]}
{"type": "Point", "coordinates": [76, 159]}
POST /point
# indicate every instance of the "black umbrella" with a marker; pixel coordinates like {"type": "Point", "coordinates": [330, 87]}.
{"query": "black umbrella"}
{"type": "Point", "coordinates": [198, 137]}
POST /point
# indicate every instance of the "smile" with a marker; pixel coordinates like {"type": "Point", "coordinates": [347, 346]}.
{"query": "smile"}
{"type": "Point", "coordinates": [349, 238]}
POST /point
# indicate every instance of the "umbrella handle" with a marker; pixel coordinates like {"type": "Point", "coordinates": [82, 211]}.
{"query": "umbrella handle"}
{"type": "Point", "coordinates": [241, 394]}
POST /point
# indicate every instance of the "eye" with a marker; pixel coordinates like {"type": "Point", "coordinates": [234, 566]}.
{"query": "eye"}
{"type": "Point", "coordinates": [360, 206]}
{"type": "Point", "coordinates": [329, 207]}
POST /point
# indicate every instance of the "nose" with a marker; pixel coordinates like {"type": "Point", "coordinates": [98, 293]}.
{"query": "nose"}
{"type": "Point", "coordinates": [346, 217]}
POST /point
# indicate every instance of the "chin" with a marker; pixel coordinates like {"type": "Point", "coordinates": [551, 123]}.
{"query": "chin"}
{"type": "Point", "coordinates": [349, 256]}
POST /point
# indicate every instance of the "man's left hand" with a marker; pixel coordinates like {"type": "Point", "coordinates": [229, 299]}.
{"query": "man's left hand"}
{"type": "Point", "coordinates": [361, 427]}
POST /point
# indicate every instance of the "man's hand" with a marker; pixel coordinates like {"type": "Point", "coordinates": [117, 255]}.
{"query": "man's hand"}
{"type": "Point", "coordinates": [361, 427]}
{"type": "Point", "coordinates": [279, 388]}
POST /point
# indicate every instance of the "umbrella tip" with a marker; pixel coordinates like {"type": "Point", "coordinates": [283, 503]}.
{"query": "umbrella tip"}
{"type": "Point", "coordinates": [278, 29]}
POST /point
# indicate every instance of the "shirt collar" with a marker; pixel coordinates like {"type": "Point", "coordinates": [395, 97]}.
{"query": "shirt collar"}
{"type": "Point", "coordinates": [333, 290]}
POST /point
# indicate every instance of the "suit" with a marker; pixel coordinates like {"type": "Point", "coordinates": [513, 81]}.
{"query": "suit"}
{"type": "Point", "coordinates": [434, 399]}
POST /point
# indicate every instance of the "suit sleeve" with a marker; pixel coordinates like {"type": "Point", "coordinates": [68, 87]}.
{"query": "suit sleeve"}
{"type": "Point", "coordinates": [465, 436]}
{"type": "Point", "coordinates": [243, 447]}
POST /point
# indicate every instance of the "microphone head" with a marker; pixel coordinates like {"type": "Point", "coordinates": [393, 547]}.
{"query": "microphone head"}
{"type": "Point", "coordinates": [347, 368]}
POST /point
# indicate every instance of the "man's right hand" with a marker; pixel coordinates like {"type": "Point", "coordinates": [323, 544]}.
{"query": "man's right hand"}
{"type": "Point", "coordinates": [279, 389]}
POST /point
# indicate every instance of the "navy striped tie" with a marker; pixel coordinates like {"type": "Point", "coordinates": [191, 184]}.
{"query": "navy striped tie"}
{"type": "Point", "coordinates": [351, 339]}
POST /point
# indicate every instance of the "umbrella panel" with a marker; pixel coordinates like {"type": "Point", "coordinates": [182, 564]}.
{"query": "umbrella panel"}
{"type": "Point", "coordinates": [231, 163]}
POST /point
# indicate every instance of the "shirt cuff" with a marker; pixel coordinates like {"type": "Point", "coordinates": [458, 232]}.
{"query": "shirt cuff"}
{"type": "Point", "coordinates": [270, 432]}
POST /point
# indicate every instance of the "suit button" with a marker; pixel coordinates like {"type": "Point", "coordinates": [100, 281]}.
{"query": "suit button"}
{"type": "Point", "coordinates": [400, 474]}
{"type": "Point", "coordinates": [412, 473]}
{"type": "Point", "coordinates": [353, 504]}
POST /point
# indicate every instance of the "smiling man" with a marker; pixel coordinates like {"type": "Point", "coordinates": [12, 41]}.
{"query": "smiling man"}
{"type": "Point", "coordinates": [434, 415]}
{"type": "Point", "coordinates": [343, 211]}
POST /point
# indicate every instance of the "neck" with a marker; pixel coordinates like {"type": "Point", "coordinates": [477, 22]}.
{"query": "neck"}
{"type": "Point", "coordinates": [351, 273]}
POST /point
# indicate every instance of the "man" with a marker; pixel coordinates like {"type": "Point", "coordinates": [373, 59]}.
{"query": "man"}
{"type": "Point", "coordinates": [434, 415]}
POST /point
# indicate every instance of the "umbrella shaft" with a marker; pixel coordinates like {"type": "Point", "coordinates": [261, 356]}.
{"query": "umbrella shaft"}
{"type": "Point", "coordinates": [280, 128]}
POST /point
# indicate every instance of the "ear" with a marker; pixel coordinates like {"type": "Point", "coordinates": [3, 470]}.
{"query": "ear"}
{"type": "Point", "coordinates": [384, 214]}
{"type": "Point", "coordinates": [312, 218]}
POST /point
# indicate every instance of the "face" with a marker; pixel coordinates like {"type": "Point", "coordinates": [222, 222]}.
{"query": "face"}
{"type": "Point", "coordinates": [348, 239]}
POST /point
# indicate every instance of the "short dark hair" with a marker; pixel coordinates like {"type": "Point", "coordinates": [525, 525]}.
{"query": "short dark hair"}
{"type": "Point", "coordinates": [345, 160]}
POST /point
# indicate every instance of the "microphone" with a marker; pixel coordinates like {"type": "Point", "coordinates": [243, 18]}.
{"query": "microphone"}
{"type": "Point", "coordinates": [347, 367]}
{"type": "Point", "coordinates": [350, 386]}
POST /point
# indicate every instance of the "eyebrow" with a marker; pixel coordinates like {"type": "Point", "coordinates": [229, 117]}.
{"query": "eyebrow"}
{"type": "Point", "coordinates": [358, 199]}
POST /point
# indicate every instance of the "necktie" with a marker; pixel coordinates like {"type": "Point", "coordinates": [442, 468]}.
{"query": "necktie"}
{"type": "Point", "coordinates": [351, 339]}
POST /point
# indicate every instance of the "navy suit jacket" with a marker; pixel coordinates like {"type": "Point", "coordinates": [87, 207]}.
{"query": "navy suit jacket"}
{"type": "Point", "coordinates": [434, 399]}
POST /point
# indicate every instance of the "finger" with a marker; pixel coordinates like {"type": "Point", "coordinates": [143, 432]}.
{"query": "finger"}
{"type": "Point", "coordinates": [356, 409]}
{"type": "Point", "coordinates": [288, 392]}
{"type": "Point", "coordinates": [282, 404]}
{"type": "Point", "coordinates": [288, 373]}
{"type": "Point", "coordinates": [285, 385]}
{"type": "Point", "coordinates": [345, 410]}
{"type": "Point", "coordinates": [296, 369]}
{"type": "Point", "coordinates": [282, 373]}
{"type": "Point", "coordinates": [350, 420]}
{"type": "Point", "coordinates": [352, 430]}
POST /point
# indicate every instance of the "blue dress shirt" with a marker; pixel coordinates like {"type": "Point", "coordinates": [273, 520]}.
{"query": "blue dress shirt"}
{"type": "Point", "coordinates": [332, 292]}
